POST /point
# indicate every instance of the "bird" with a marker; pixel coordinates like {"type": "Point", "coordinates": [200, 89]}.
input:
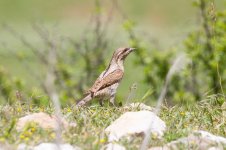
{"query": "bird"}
{"type": "Point", "coordinates": [106, 84]}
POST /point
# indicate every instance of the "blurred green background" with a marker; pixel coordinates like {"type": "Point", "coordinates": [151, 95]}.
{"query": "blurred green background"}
{"type": "Point", "coordinates": [161, 28]}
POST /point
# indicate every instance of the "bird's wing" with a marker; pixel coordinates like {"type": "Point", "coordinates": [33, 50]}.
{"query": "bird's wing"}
{"type": "Point", "coordinates": [106, 81]}
{"type": "Point", "coordinates": [96, 82]}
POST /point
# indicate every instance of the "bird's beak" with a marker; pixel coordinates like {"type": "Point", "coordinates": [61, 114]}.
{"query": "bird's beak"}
{"type": "Point", "coordinates": [132, 49]}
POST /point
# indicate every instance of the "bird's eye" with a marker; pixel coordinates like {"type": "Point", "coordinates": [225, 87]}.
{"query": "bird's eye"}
{"type": "Point", "coordinates": [125, 49]}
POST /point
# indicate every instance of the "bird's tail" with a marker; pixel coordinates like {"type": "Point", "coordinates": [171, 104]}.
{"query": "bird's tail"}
{"type": "Point", "coordinates": [84, 100]}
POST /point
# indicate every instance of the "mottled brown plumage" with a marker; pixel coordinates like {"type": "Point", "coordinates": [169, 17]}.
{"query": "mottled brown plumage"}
{"type": "Point", "coordinates": [107, 83]}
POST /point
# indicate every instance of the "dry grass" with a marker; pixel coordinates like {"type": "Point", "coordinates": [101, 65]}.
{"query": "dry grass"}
{"type": "Point", "coordinates": [91, 122]}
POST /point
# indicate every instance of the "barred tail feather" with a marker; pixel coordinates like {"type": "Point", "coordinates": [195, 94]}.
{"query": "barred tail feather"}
{"type": "Point", "coordinates": [84, 100]}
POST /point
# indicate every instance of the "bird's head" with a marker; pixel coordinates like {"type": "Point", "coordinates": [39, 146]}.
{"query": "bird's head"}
{"type": "Point", "coordinates": [121, 53]}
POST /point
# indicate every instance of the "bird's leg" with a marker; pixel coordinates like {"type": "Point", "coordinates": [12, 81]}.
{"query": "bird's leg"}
{"type": "Point", "coordinates": [112, 100]}
{"type": "Point", "coordinates": [101, 102]}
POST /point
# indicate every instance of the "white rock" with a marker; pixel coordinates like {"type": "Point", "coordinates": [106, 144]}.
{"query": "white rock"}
{"type": "Point", "coordinates": [161, 148]}
{"type": "Point", "coordinates": [24, 146]}
{"type": "Point", "coordinates": [52, 146]}
{"type": "Point", "coordinates": [135, 123]}
{"type": "Point", "coordinates": [47, 146]}
{"type": "Point", "coordinates": [209, 136]}
{"type": "Point", "coordinates": [199, 139]}
{"type": "Point", "coordinates": [6, 146]}
{"type": "Point", "coordinates": [113, 146]}
{"type": "Point", "coordinates": [214, 148]}
{"type": "Point", "coordinates": [44, 120]}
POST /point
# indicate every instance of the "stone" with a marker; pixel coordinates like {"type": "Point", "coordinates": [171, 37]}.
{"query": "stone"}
{"type": "Point", "coordinates": [6, 146]}
{"type": "Point", "coordinates": [43, 120]}
{"type": "Point", "coordinates": [24, 146]}
{"type": "Point", "coordinates": [113, 146]}
{"type": "Point", "coordinates": [198, 140]}
{"type": "Point", "coordinates": [48, 146]}
{"type": "Point", "coordinates": [135, 123]}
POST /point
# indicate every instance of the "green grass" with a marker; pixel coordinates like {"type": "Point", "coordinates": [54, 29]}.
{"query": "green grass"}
{"type": "Point", "coordinates": [91, 121]}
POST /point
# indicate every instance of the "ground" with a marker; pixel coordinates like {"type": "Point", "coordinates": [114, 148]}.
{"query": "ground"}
{"type": "Point", "coordinates": [208, 115]}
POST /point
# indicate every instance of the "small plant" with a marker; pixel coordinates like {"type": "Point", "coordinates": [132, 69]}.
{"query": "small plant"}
{"type": "Point", "coordinates": [205, 47]}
